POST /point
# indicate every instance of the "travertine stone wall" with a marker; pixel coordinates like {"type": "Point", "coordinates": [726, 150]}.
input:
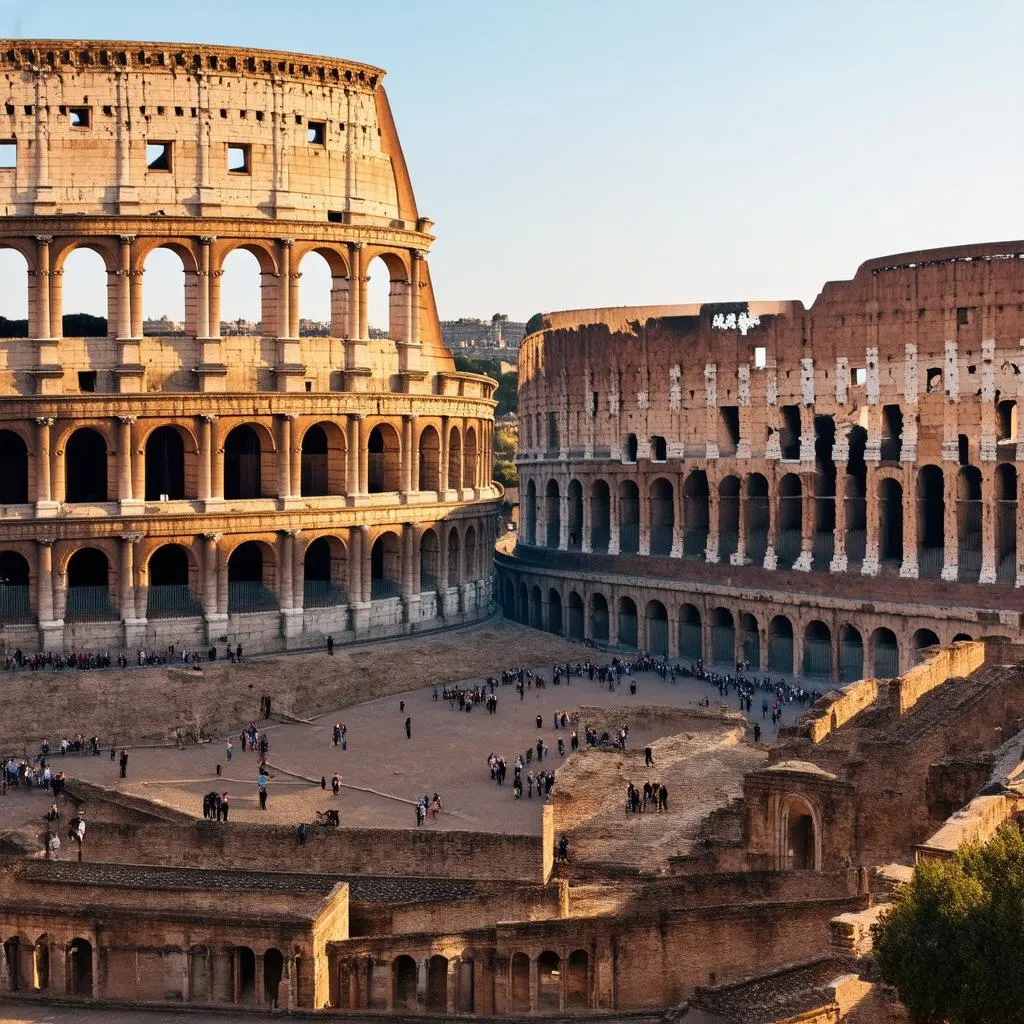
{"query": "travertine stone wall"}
{"type": "Point", "coordinates": [182, 489]}
{"type": "Point", "coordinates": [681, 460]}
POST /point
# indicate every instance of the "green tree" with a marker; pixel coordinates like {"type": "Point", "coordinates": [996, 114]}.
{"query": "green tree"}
{"type": "Point", "coordinates": [953, 941]}
{"type": "Point", "coordinates": [507, 394]}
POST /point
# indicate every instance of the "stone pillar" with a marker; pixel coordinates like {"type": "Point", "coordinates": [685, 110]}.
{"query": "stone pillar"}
{"type": "Point", "coordinates": [870, 566]}
{"type": "Point", "coordinates": [363, 452]}
{"type": "Point", "coordinates": [442, 559]}
{"type": "Point", "coordinates": [355, 450]}
{"type": "Point", "coordinates": [135, 292]}
{"type": "Point", "coordinates": [738, 557]}
{"type": "Point", "coordinates": [284, 456]}
{"type": "Point", "coordinates": [533, 984]}
{"type": "Point", "coordinates": [203, 289]}
{"type": "Point", "coordinates": [124, 459]}
{"type": "Point", "coordinates": [205, 457]}
{"type": "Point", "coordinates": [951, 554]}
{"type": "Point", "coordinates": [586, 525]}
{"type": "Point", "coordinates": [217, 475]}
{"type": "Point", "coordinates": [613, 523]}
{"type": "Point", "coordinates": [771, 559]}
{"type": "Point", "coordinates": [409, 352]}
{"type": "Point", "coordinates": [295, 458]}
{"type": "Point", "coordinates": [711, 551]}
{"type": "Point", "coordinates": [366, 570]}
{"type": "Point", "coordinates": [807, 516]}
{"type": "Point", "coordinates": [411, 570]}
{"type": "Point", "coordinates": [294, 276]}
{"type": "Point", "coordinates": [988, 523]}
{"type": "Point", "coordinates": [57, 303]}
{"type": "Point", "coordinates": [408, 453]}
{"type": "Point", "coordinates": [442, 469]}
{"type": "Point", "coordinates": [286, 562]}
{"type": "Point", "coordinates": [42, 286]}
{"type": "Point", "coordinates": [44, 496]}
{"type": "Point", "coordinates": [840, 563]}
{"type": "Point", "coordinates": [127, 577]}
{"type": "Point", "coordinates": [44, 582]}
{"type": "Point", "coordinates": [563, 518]}
{"type": "Point", "coordinates": [909, 568]}
{"type": "Point", "coordinates": [211, 590]}
{"type": "Point", "coordinates": [355, 566]}
{"type": "Point", "coordinates": [124, 307]}
{"type": "Point", "coordinates": [364, 313]}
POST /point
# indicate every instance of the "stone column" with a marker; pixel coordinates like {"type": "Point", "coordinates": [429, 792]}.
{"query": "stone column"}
{"type": "Point", "coordinates": [44, 497]}
{"type": "Point", "coordinates": [211, 591]}
{"type": "Point", "coordinates": [442, 559]}
{"type": "Point", "coordinates": [563, 518]}
{"type": "Point", "coordinates": [711, 551]}
{"type": "Point", "coordinates": [807, 517]}
{"type": "Point", "coordinates": [366, 571]}
{"type": "Point", "coordinates": [124, 459]}
{"type": "Point", "coordinates": [442, 469]}
{"type": "Point", "coordinates": [294, 276]}
{"type": "Point", "coordinates": [988, 523]}
{"type": "Point", "coordinates": [871, 566]}
{"type": "Point", "coordinates": [286, 561]}
{"type": "Point", "coordinates": [295, 458]}
{"type": "Point", "coordinates": [124, 306]}
{"type": "Point", "coordinates": [613, 523]}
{"type": "Point", "coordinates": [411, 570]}
{"type": "Point", "coordinates": [135, 291]}
{"type": "Point", "coordinates": [951, 554]}
{"type": "Point", "coordinates": [585, 525]}
{"type": "Point", "coordinates": [909, 568]}
{"type": "Point", "coordinates": [355, 448]}
{"type": "Point", "coordinates": [205, 457]}
{"type": "Point", "coordinates": [408, 454]}
{"type": "Point", "coordinates": [44, 581]}
{"type": "Point", "coordinates": [127, 577]}
{"type": "Point", "coordinates": [771, 559]}
{"type": "Point", "coordinates": [840, 563]}
{"type": "Point", "coordinates": [355, 566]}
{"type": "Point", "coordinates": [738, 557]}
{"type": "Point", "coordinates": [363, 453]}
{"type": "Point", "coordinates": [42, 286]}
{"type": "Point", "coordinates": [57, 303]}
{"type": "Point", "coordinates": [284, 455]}
{"type": "Point", "coordinates": [203, 289]}
{"type": "Point", "coordinates": [533, 984]}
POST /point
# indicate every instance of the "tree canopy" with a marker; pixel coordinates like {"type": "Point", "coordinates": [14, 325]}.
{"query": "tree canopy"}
{"type": "Point", "coordinates": [507, 395]}
{"type": "Point", "coordinates": [953, 942]}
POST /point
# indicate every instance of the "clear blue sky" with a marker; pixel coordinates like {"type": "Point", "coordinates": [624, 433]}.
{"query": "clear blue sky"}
{"type": "Point", "coordinates": [591, 152]}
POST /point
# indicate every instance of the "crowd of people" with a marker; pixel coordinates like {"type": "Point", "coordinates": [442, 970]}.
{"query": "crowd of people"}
{"type": "Point", "coordinates": [58, 661]}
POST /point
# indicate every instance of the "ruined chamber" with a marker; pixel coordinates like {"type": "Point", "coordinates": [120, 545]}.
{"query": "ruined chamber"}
{"type": "Point", "coordinates": [167, 483]}
{"type": "Point", "coordinates": [828, 490]}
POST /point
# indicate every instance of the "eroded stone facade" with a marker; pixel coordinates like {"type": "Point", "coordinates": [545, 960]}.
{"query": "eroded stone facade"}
{"type": "Point", "coordinates": [269, 489]}
{"type": "Point", "coordinates": [828, 490]}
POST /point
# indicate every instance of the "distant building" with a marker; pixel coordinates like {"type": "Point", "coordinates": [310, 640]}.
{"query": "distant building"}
{"type": "Point", "coordinates": [162, 325]}
{"type": "Point", "coordinates": [497, 338]}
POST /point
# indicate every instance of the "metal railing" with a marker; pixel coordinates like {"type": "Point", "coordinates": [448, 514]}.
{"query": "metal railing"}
{"type": "Point", "coordinates": [728, 544]}
{"type": "Point", "coordinates": [695, 542]}
{"type": "Point", "coordinates": [723, 645]}
{"type": "Point", "coordinates": [382, 590]}
{"type": "Point", "coordinates": [89, 604]}
{"type": "Point", "coordinates": [599, 540]}
{"type": "Point", "coordinates": [817, 660]}
{"type": "Point", "coordinates": [968, 524]}
{"type": "Point", "coordinates": [661, 540]}
{"type": "Point", "coordinates": [856, 545]}
{"type": "Point", "coordinates": [851, 661]}
{"type": "Point", "coordinates": [930, 562]}
{"type": "Point", "coordinates": [690, 640]}
{"type": "Point", "coordinates": [756, 547]}
{"type": "Point", "coordinates": [887, 661]}
{"type": "Point", "coordinates": [657, 636]}
{"type": "Point", "coordinates": [1006, 542]}
{"type": "Point", "coordinates": [823, 547]}
{"type": "Point", "coordinates": [629, 538]}
{"type": "Point", "coordinates": [627, 631]}
{"type": "Point", "coordinates": [323, 594]}
{"type": "Point", "coordinates": [172, 601]}
{"type": "Point", "coordinates": [248, 597]}
{"type": "Point", "coordinates": [788, 548]}
{"type": "Point", "coordinates": [16, 604]}
{"type": "Point", "coordinates": [780, 654]}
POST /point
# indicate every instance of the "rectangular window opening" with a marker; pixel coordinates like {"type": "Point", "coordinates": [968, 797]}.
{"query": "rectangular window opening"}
{"type": "Point", "coordinates": [963, 316]}
{"type": "Point", "coordinates": [158, 156]}
{"type": "Point", "coordinates": [86, 380]}
{"type": "Point", "coordinates": [858, 375]}
{"type": "Point", "coordinates": [595, 403]}
{"type": "Point", "coordinates": [316, 133]}
{"type": "Point", "coordinates": [760, 357]}
{"type": "Point", "coordinates": [79, 117]}
{"type": "Point", "coordinates": [790, 438]}
{"type": "Point", "coordinates": [336, 216]}
{"type": "Point", "coordinates": [729, 429]}
{"type": "Point", "coordinates": [8, 155]}
{"type": "Point", "coordinates": [239, 159]}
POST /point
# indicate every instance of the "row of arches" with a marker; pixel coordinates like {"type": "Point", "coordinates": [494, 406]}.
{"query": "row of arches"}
{"type": "Point", "coordinates": [172, 464]}
{"type": "Point", "coordinates": [244, 286]}
{"type": "Point", "coordinates": [718, 635]}
{"type": "Point", "coordinates": [27, 966]}
{"type": "Point", "coordinates": [948, 528]}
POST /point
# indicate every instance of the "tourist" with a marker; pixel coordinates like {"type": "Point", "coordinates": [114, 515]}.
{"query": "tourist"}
{"type": "Point", "coordinates": [261, 783]}
{"type": "Point", "coordinates": [224, 806]}
{"type": "Point", "coordinates": [408, 728]}
{"type": "Point", "coordinates": [124, 763]}
{"type": "Point", "coordinates": [228, 751]}
{"type": "Point", "coordinates": [435, 806]}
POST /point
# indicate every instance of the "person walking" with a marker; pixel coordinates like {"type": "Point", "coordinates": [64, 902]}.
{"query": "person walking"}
{"type": "Point", "coordinates": [228, 750]}
{"type": "Point", "coordinates": [408, 728]}
{"type": "Point", "coordinates": [261, 783]}
{"type": "Point", "coordinates": [124, 763]}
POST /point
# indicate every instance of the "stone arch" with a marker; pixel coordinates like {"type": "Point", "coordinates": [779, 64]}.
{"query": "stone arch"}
{"type": "Point", "coordinates": [958, 637]}
{"type": "Point", "coordinates": [245, 974]}
{"type": "Point", "coordinates": [923, 641]}
{"type": "Point", "coordinates": [627, 623]}
{"type": "Point", "coordinates": [575, 615]}
{"type": "Point", "coordinates": [524, 604]}
{"type": "Point", "coordinates": [508, 602]}
{"type": "Point", "coordinates": [552, 513]}
{"type": "Point", "coordinates": [519, 969]}
{"type": "Point", "coordinates": [430, 459]}
{"type": "Point", "coordinates": [549, 982]}
{"type": "Point", "coordinates": [790, 526]}
{"type": "Point", "coordinates": [530, 512]}
{"type": "Point", "coordinates": [663, 516]}
{"type": "Point", "coordinates": [15, 267]}
{"type": "Point", "coordinates": [751, 640]}
{"type": "Point", "coordinates": [88, 587]}
{"type": "Point", "coordinates": [885, 654]}
{"type": "Point", "coordinates": [656, 618]}
{"type": "Point", "coordinates": [472, 553]}
{"type": "Point", "coordinates": [323, 290]}
{"type": "Point", "coordinates": [386, 566]}
{"type": "Point", "coordinates": [600, 516]}
{"type": "Point", "coordinates": [577, 984]}
{"type": "Point", "coordinates": [387, 294]}
{"type": "Point", "coordinates": [758, 520]}
{"type": "Point", "coordinates": [696, 515]}
{"type": "Point", "coordinates": [629, 517]}
{"type": "Point", "coordinates": [728, 517]}
{"type": "Point", "coordinates": [931, 521]}
{"type": "Point", "coordinates": [851, 654]}
{"type": "Point", "coordinates": [799, 835]}
{"type": "Point", "coordinates": [1006, 522]}
{"type": "Point", "coordinates": [160, 259]}
{"type": "Point", "coordinates": [575, 501]}
{"type": "Point", "coordinates": [470, 464]}
{"type": "Point", "coordinates": [166, 466]}
{"type": "Point", "coordinates": [454, 542]}
{"type": "Point", "coordinates": [273, 972]}
{"type": "Point", "coordinates": [691, 643]}
{"type": "Point", "coordinates": [14, 460]}
{"type": "Point", "coordinates": [384, 468]}
{"type": "Point", "coordinates": [723, 637]}
{"type": "Point", "coordinates": [325, 572]}
{"type": "Point", "coordinates": [88, 267]}
{"type": "Point", "coordinates": [252, 577]}
{"type": "Point", "coordinates": [254, 287]}
{"type": "Point", "coordinates": [324, 460]}
{"type": "Point", "coordinates": [536, 608]}
{"type": "Point", "coordinates": [430, 561]}
{"type": "Point", "coordinates": [629, 448]}
{"type": "Point", "coordinates": [599, 618]}
{"type": "Point", "coordinates": [172, 577]}
{"type": "Point", "coordinates": [465, 1001]}
{"type": "Point", "coordinates": [249, 462]}
{"type": "Point", "coordinates": [437, 984]}
{"type": "Point", "coordinates": [890, 522]}
{"type": "Point", "coordinates": [79, 953]}
{"type": "Point", "coordinates": [969, 523]}
{"type": "Point", "coordinates": [85, 462]}
{"type": "Point", "coordinates": [780, 645]}
{"type": "Point", "coordinates": [15, 588]}
{"type": "Point", "coordinates": [817, 658]}
{"type": "Point", "coordinates": [455, 458]}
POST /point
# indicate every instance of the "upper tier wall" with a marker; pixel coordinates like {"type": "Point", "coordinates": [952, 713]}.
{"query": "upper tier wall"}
{"type": "Point", "coordinates": [316, 134]}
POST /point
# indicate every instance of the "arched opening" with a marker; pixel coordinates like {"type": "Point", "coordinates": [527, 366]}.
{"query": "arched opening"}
{"type": "Point", "coordinates": [79, 968]}
{"type": "Point", "coordinates": [576, 613]}
{"type": "Point", "coordinates": [243, 469]}
{"type": "Point", "coordinates": [430, 460]}
{"type": "Point", "coordinates": [659, 448]}
{"type": "Point", "coordinates": [657, 629]}
{"type": "Point", "coordinates": [962, 637]}
{"type": "Point", "coordinates": [384, 468]}
{"type": "Point", "coordinates": [470, 464]}
{"type": "Point", "coordinates": [728, 517]}
{"type": "Point", "coordinates": [530, 512]}
{"type": "Point", "coordinates": [437, 984]}
{"type": "Point", "coordinates": [1006, 427]}
{"type": "Point", "coordinates": [1006, 523]}
{"type": "Point", "coordinates": [429, 561]}
{"type": "Point", "coordinates": [472, 554]}
{"type": "Point", "coordinates": [88, 591]}
{"type": "Point", "coordinates": [325, 573]}
{"type": "Point", "coordinates": [199, 970]}
{"type": "Point", "coordinates": [453, 559]}
{"type": "Point", "coordinates": [627, 623]}
{"type": "Point", "coordinates": [86, 290]}
{"type": "Point", "coordinates": [663, 516]}
{"type": "Point", "coordinates": [696, 515]}
{"type": "Point", "coordinates": [324, 459]}
{"type": "Point", "coordinates": [251, 579]}
{"type": "Point", "coordinates": [968, 523]}
{"type": "Point", "coordinates": [524, 604]}
{"type": "Point", "coordinates": [600, 517]}
{"type": "Point", "coordinates": [404, 973]}
{"type": "Point", "coordinates": [520, 983]}
{"type": "Point", "coordinates": [851, 655]}
{"type": "Point", "coordinates": [885, 659]}
{"type": "Point", "coordinates": [386, 292]}
{"type": "Point", "coordinates": [577, 987]}
{"type": "Point", "coordinates": [273, 970]}
{"type": "Point", "coordinates": [242, 298]}
{"type": "Point", "coordinates": [15, 589]}
{"type": "Point", "coordinates": [41, 964]}
{"type": "Point", "coordinates": [536, 608]}
{"type": "Point", "coordinates": [85, 466]}
{"type": "Point", "coordinates": [755, 541]}
{"type": "Point", "coordinates": [164, 284]}
{"type": "Point", "coordinates": [317, 299]}
{"type": "Point", "coordinates": [464, 995]}
{"type": "Point", "coordinates": [791, 505]}
{"type": "Point", "coordinates": [817, 660]}
{"type": "Point", "coordinates": [165, 465]}
{"type": "Point", "coordinates": [824, 535]}
{"type": "Point", "coordinates": [549, 982]}
{"type": "Point", "coordinates": [856, 498]}
{"type": "Point", "coordinates": [723, 637]}
{"type": "Point", "coordinates": [690, 641]}
{"type": "Point", "coordinates": [14, 459]}
{"type": "Point", "coordinates": [575, 515]}
{"type": "Point", "coordinates": [508, 604]}
{"type": "Point", "coordinates": [924, 640]}
{"type": "Point", "coordinates": [629, 518]}
{"type": "Point", "coordinates": [14, 301]}
{"type": "Point", "coordinates": [890, 523]}
{"type": "Point", "coordinates": [780, 645]}
{"type": "Point", "coordinates": [386, 567]}
{"type": "Point", "coordinates": [552, 513]}
{"type": "Point", "coordinates": [14, 951]}
{"type": "Point", "coordinates": [931, 518]}
{"type": "Point", "coordinates": [169, 595]}
{"type": "Point", "coordinates": [629, 448]}
{"type": "Point", "coordinates": [455, 459]}
{"type": "Point", "coordinates": [751, 640]}
{"type": "Point", "coordinates": [799, 835]}
{"type": "Point", "coordinates": [599, 618]}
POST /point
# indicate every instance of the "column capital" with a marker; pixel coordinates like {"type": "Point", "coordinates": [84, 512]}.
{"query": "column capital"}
{"type": "Point", "coordinates": [126, 239]}
{"type": "Point", "coordinates": [207, 239]}
{"type": "Point", "coordinates": [132, 538]}
{"type": "Point", "coordinates": [289, 533]}
{"type": "Point", "coordinates": [417, 254]}
{"type": "Point", "coordinates": [127, 420]}
{"type": "Point", "coordinates": [45, 421]}
{"type": "Point", "coordinates": [46, 542]}
{"type": "Point", "coordinates": [44, 239]}
{"type": "Point", "coordinates": [215, 537]}
{"type": "Point", "coordinates": [358, 416]}
{"type": "Point", "coordinates": [287, 415]}
{"type": "Point", "coordinates": [287, 242]}
{"type": "Point", "coordinates": [356, 245]}
{"type": "Point", "coordinates": [209, 417]}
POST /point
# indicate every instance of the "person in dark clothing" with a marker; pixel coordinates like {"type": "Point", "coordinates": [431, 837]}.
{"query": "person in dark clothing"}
{"type": "Point", "coordinates": [648, 756]}
{"type": "Point", "coordinates": [408, 728]}
{"type": "Point", "coordinates": [124, 763]}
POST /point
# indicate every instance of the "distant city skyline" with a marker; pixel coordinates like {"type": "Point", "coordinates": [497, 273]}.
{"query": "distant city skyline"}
{"type": "Point", "coordinates": [588, 153]}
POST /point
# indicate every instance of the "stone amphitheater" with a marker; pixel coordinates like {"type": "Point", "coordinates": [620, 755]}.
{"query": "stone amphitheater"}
{"type": "Point", "coordinates": [827, 490]}
{"type": "Point", "coordinates": [271, 488]}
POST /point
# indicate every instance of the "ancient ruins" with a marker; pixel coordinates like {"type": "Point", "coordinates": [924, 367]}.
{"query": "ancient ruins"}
{"type": "Point", "coordinates": [270, 488]}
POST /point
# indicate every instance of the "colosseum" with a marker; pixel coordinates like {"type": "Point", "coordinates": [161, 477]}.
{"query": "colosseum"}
{"type": "Point", "coordinates": [828, 490]}
{"type": "Point", "coordinates": [267, 486]}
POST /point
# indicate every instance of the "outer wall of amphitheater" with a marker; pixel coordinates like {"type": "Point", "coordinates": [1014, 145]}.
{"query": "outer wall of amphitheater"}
{"type": "Point", "coordinates": [829, 490]}
{"type": "Point", "coordinates": [268, 487]}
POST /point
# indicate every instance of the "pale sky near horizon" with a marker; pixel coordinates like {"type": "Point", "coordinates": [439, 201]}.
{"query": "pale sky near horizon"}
{"type": "Point", "coordinates": [582, 153]}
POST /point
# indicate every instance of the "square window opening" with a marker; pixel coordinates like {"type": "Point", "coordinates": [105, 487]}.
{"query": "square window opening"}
{"type": "Point", "coordinates": [933, 380]}
{"type": "Point", "coordinates": [309, 385]}
{"type": "Point", "coordinates": [158, 156]}
{"type": "Point", "coordinates": [316, 133]}
{"type": "Point", "coordinates": [963, 316]}
{"type": "Point", "coordinates": [8, 155]}
{"type": "Point", "coordinates": [239, 159]}
{"type": "Point", "coordinates": [760, 357]}
{"type": "Point", "coordinates": [86, 380]}
{"type": "Point", "coordinates": [335, 217]}
{"type": "Point", "coordinates": [858, 375]}
{"type": "Point", "coordinates": [79, 117]}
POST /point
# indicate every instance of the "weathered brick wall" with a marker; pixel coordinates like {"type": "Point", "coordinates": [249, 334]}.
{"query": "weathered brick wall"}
{"type": "Point", "coordinates": [951, 662]}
